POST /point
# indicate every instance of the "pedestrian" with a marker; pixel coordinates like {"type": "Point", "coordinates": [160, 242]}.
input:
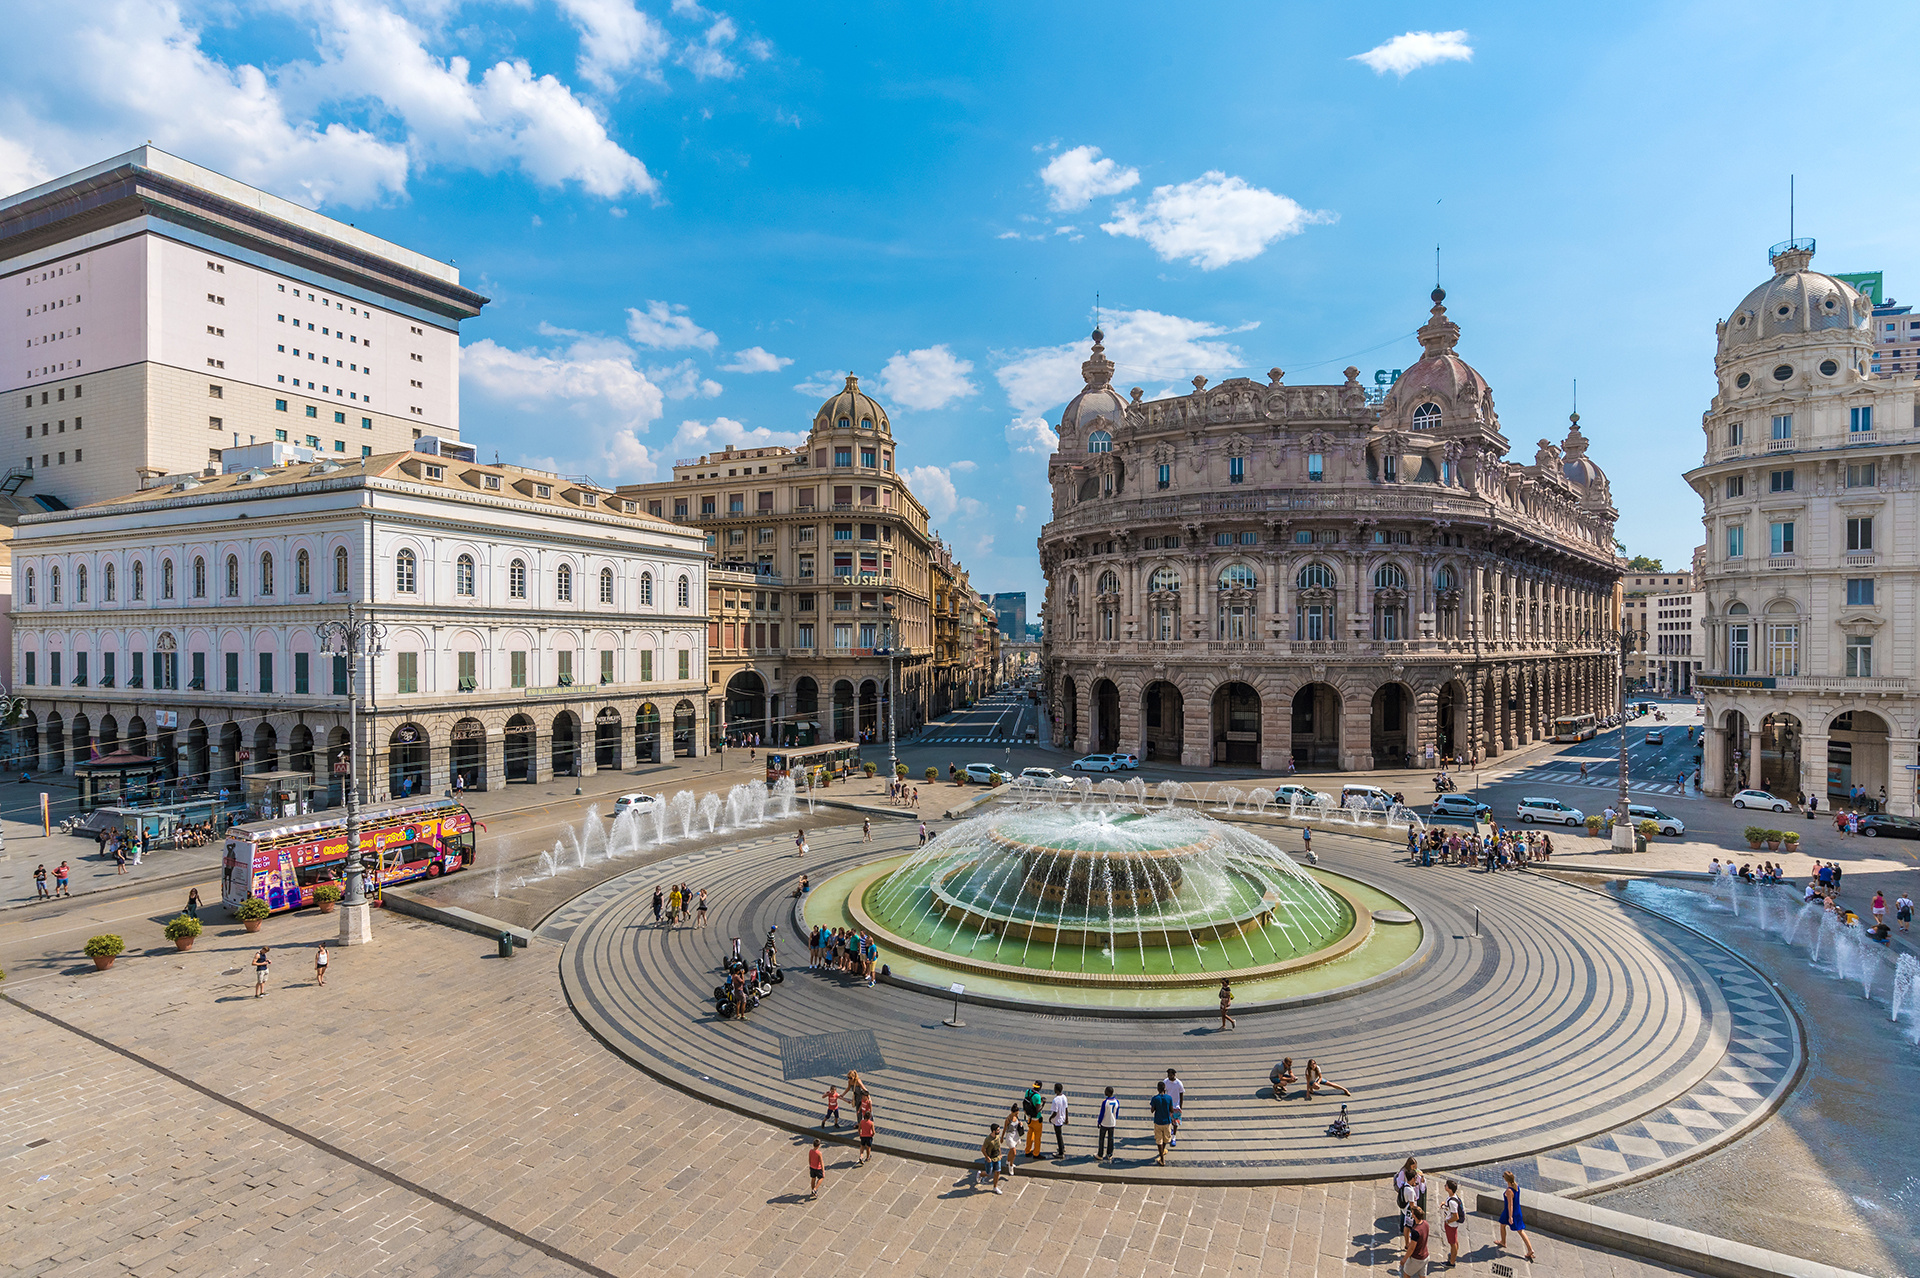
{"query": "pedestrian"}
{"type": "Point", "coordinates": [866, 1137]}
{"type": "Point", "coordinates": [1177, 1090]}
{"type": "Point", "coordinates": [1057, 1115]}
{"type": "Point", "coordinates": [193, 903]}
{"type": "Point", "coordinates": [1583, 771]}
{"type": "Point", "coordinates": [1879, 908]}
{"type": "Point", "coordinates": [1511, 1215]}
{"type": "Point", "coordinates": [816, 1169]}
{"type": "Point", "coordinates": [990, 1151]}
{"type": "Point", "coordinates": [1162, 1107]}
{"type": "Point", "coordinates": [1226, 1001]}
{"type": "Point", "coordinates": [1030, 1105]}
{"type": "Point", "coordinates": [120, 856]}
{"type": "Point", "coordinates": [923, 834]}
{"type": "Point", "coordinates": [1009, 1143]}
{"type": "Point", "coordinates": [1280, 1075]}
{"type": "Point", "coordinates": [1838, 870]}
{"type": "Point", "coordinates": [1306, 841]}
{"type": "Point", "coordinates": [60, 876]}
{"type": "Point", "coordinates": [659, 904]}
{"type": "Point", "coordinates": [260, 965]}
{"type": "Point", "coordinates": [1455, 1218]}
{"type": "Point", "coordinates": [1415, 1263]}
{"type": "Point", "coordinates": [866, 829]}
{"type": "Point", "coordinates": [1903, 910]}
{"type": "Point", "coordinates": [40, 892]}
{"type": "Point", "coordinates": [320, 961]}
{"type": "Point", "coordinates": [1109, 1125]}
{"type": "Point", "coordinates": [1316, 1081]}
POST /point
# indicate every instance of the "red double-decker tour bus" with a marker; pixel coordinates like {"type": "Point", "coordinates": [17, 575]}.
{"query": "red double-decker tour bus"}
{"type": "Point", "coordinates": [282, 861]}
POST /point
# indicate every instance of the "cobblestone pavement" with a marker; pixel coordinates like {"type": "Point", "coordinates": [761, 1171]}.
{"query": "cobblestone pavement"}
{"type": "Point", "coordinates": [436, 1110]}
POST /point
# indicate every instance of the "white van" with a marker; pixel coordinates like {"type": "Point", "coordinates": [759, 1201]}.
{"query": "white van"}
{"type": "Point", "coordinates": [1371, 797]}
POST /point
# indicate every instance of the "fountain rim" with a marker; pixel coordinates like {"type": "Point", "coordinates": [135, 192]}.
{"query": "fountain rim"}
{"type": "Point", "coordinates": [873, 873]}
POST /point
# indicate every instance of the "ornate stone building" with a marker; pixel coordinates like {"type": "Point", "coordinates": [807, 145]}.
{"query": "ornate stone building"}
{"type": "Point", "coordinates": [1813, 547]}
{"type": "Point", "coordinates": [1258, 571]}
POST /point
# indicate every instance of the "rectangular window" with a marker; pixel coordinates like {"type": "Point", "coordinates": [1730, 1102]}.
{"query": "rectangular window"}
{"type": "Point", "coordinates": [1783, 650]}
{"type": "Point", "coordinates": [1859, 657]}
{"type": "Point", "coordinates": [1316, 467]}
{"type": "Point", "coordinates": [566, 666]}
{"type": "Point", "coordinates": [31, 676]}
{"type": "Point", "coordinates": [1236, 470]}
{"type": "Point", "coordinates": [1783, 426]}
{"type": "Point", "coordinates": [53, 668]}
{"type": "Point", "coordinates": [1860, 420]}
{"type": "Point", "coordinates": [843, 457]}
{"type": "Point", "coordinates": [1780, 481]}
{"type": "Point", "coordinates": [517, 669]}
{"type": "Point", "coordinates": [266, 673]}
{"type": "Point", "coordinates": [1736, 434]}
{"type": "Point", "coordinates": [312, 411]}
{"type": "Point", "coordinates": [805, 635]}
{"type": "Point", "coordinates": [300, 674]}
{"type": "Point", "coordinates": [686, 664]}
{"type": "Point", "coordinates": [469, 668]}
{"type": "Point", "coordinates": [106, 669]}
{"type": "Point", "coordinates": [1736, 485]}
{"type": "Point", "coordinates": [1860, 592]}
{"type": "Point", "coordinates": [646, 665]}
{"type": "Point", "coordinates": [1737, 650]}
{"type": "Point", "coordinates": [843, 634]}
{"type": "Point", "coordinates": [408, 677]}
{"type": "Point", "coordinates": [1859, 533]}
{"type": "Point", "coordinates": [232, 660]}
{"type": "Point", "coordinates": [1165, 476]}
{"type": "Point", "coordinates": [1736, 542]}
{"type": "Point", "coordinates": [339, 676]}
{"type": "Point", "coordinates": [1862, 476]}
{"type": "Point", "coordinates": [199, 680]}
{"type": "Point", "coordinates": [868, 457]}
{"type": "Point", "coordinates": [606, 667]}
{"type": "Point", "coordinates": [139, 675]}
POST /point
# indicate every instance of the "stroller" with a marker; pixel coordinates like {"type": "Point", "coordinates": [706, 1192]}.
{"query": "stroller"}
{"type": "Point", "coordinates": [1339, 1127]}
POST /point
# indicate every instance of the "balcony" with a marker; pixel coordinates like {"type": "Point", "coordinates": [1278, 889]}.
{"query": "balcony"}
{"type": "Point", "coordinates": [1782, 563]}
{"type": "Point", "coordinates": [1839, 683]}
{"type": "Point", "coordinates": [1780, 445]}
{"type": "Point", "coordinates": [1860, 559]}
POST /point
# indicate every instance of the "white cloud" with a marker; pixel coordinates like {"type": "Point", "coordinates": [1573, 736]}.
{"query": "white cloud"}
{"type": "Point", "coordinates": [964, 467]}
{"type": "Point", "coordinates": [615, 37]}
{"type": "Point", "coordinates": [933, 485]}
{"type": "Point", "coordinates": [706, 57]}
{"type": "Point", "coordinates": [1416, 49]}
{"type": "Point", "coordinates": [694, 438]}
{"type": "Point", "coordinates": [1074, 178]}
{"type": "Point", "coordinates": [667, 328]}
{"type": "Point", "coordinates": [587, 390]}
{"type": "Point", "coordinates": [1032, 435]}
{"type": "Point", "coordinates": [821, 384]}
{"type": "Point", "coordinates": [1145, 346]}
{"type": "Point", "coordinates": [928, 378]}
{"type": "Point", "coordinates": [1007, 235]}
{"type": "Point", "coordinates": [1019, 514]}
{"type": "Point", "coordinates": [683, 381]}
{"type": "Point", "coordinates": [1212, 220]}
{"type": "Point", "coordinates": [755, 359]}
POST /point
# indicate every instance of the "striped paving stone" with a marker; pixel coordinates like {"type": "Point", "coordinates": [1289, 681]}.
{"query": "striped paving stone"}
{"type": "Point", "coordinates": [1571, 1016]}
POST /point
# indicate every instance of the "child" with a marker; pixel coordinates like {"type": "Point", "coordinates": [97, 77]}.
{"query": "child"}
{"type": "Point", "coordinates": [866, 1137]}
{"type": "Point", "coordinates": [816, 1169]}
{"type": "Point", "coordinates": [833, 1107]}
{"type": "Point", "coordinates": [1456, 1216]}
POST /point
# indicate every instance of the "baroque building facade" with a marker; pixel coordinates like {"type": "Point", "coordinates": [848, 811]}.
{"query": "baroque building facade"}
{"type": "Point", "coordinates": [1813, 547]}
{"type": "Point", "coordinates": [1259, 572]}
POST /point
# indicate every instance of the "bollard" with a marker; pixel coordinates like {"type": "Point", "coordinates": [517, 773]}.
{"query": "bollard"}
{"type": "Point", "coordinates": [506, 945]}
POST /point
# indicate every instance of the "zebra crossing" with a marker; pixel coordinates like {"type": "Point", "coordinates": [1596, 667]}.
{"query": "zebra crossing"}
{"type": "Point", "coordinates": [1604, 777]}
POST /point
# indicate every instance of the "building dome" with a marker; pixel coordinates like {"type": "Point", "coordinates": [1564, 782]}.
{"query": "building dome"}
{"type": "Point", "coordinates": [1576, 467]}
{"type": "Point", "coordinates": [851, 408]}
{"type": "Point", "coordinates": [1441, 389]}
{"type": "Point", "coordinates": [1797, 302]}
{"type": "Point", "coordinates": [1098, 409]}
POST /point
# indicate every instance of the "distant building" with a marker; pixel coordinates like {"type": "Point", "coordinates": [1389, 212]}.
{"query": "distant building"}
{"type": "Point", "coordinates": [1638, 605]}
{"type": "Point", "coordinates": [1011, 608]}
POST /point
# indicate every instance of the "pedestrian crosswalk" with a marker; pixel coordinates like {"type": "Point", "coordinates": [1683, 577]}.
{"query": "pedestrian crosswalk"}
{"type": "Point", "coordinates": [932, 740]}
{"type": "Point", "coordinates": [1604, 777]}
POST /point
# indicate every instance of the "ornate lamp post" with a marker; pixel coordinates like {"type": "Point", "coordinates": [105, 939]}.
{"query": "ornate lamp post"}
{"type": "Point", "coordinates": [893, 695]}
{"type": "Point", "coordinates": [1630, 641]}
{"type": "Point", "coordinates": [350, 639]}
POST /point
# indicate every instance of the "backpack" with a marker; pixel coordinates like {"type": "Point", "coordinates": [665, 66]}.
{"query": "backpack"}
{"type": "Point", "coordinates": [1030, 1104]}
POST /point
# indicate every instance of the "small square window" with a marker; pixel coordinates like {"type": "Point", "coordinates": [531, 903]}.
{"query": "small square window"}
{"type": "Point", "coordinates": [436, 472]}
{"type": "Point", "coordinates": [279, 405]}
{"type": "Point", "coordinates": [490, 482]}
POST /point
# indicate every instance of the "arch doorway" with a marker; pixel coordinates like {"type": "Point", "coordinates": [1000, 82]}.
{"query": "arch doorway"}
{"type": "Point", "coordinates": [226, 774]}
{"type": "Point", "coordinates": [805, 728]}
{"type": "Point", "coordinates": [1236, 725]}
{"type": "Point", "coordinates": [300, 759]}
{"type": "Point", "coordinates": [56, 744]}
{"type": "Point", "coordinates": [746, 703]}
{"type": "Point", "coordinates": [869, 709]}
{"type": "Point", "coordinates": [683, 742]}
{"type": "Point", "coordinates": [407, 761]}
{"type": "Point", "coordinates": [1780, 755]}
{"type": "Point", "coordinates": [566, 744]}
{"type": "Point", "coordinates": [606, 738]}
{"type": "Point", "coordinates": [109, 734]}
{"type": "Point", "coordinates": [1315, 729]}
{"type": "Point", "coordinates": [1106, 716]}
{"type": "Point", "coordinates": [518, 748]}
{"type": "Point", "coordinates": [1163, 720]}
{"type": "Point", "coordinates": [197, 760]}
{"type": "Point", "coordinates": [843, 710]}
{"type": "Point", "coordinates": [467, 750]}
{"type": "Point", "coordinates": [1857, 755]}
{"type": "Point", "coordinates": [337, 755]}
{"type": "Point", "coordinates": [266, 750]}
{"type": "Point", "coordinates": [1392, 729]}
{"type": "Point", "coordinates": [1739, 744]}
{"type": "Point", "coordinates": [1450, 720]}
{"type": "Point", "coordinates": [646, 734]}
{"type": "Point", "coordinates": [1070, 713]}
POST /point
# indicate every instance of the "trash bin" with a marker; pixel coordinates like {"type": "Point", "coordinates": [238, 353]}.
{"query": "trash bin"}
{"type": "Point", "coordinates": [506, 945]}
{"type": "Point", "coordinates": [1639, 843]}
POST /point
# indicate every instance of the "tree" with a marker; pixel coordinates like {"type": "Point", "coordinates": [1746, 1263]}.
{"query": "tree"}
{"type": "Point", "coordinates": [1640, 563]}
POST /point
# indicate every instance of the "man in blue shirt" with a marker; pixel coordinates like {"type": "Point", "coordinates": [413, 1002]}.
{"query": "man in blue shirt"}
{"type": "Point", "coordinates": [1162, 1106]}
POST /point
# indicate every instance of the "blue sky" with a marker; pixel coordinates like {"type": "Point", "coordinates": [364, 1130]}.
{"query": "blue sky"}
{"type": "Point", "coordinates": [694, 219]}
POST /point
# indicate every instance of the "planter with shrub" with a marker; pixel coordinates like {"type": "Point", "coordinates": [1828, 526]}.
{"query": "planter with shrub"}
{"type": "Point", "coordinates": [1755, 835]}
{"type": "Point", "coordinates": [870, 768]}
{"type": "Point", "coordinates": [326, 896]}
{"type": "Point", "coordinates": [251, 912]}
{"type": "Point", "coordinates": [103, 949]}
{"type": "Point", "coordinates": [1593, 825]}
{"type": "Point", "coordinates": [1773, 840]}
{"type": "Point", "coordinates": [933, 774]}
{"type": "Point", "coordinates": [1790, 842]}
{"type": "Point", "coordinates": [182, 929]}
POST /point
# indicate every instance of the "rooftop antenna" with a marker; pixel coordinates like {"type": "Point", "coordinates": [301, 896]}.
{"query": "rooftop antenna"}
{"type": "Point", "coordinates": [1790, 207]}
{"type": "Point", "coordinates": [1436, 266]}
{"type": "Point", "coordinates": [1096, 308]}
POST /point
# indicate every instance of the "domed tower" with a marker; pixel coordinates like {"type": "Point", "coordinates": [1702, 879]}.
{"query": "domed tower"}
{"type": "Point", "coordinates": [1438, 419]}
{"type": "Point", "coordinates": [851, 408]}
{"type": "Point", "coordinates": [851, 430]}
{"type": "Point", "coordinates": [1798, 331]}
{"type": "Point", "coordinates": [1582, 471]}
{"type": "Point", "coordinates": [1085, 465]}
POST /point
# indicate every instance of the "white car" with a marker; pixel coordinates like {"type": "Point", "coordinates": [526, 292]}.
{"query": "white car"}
{"type": "Point", "coordinates": [1098, 763]}
{"type": "Point", "coordinates": [1371, 797]}
{"type": "Point", "coordinates": [1044, 777]}
{"type": "Point", "coordinates": [984, 774]}
{"type": "Point", "coordinates": [1668, 825]}
{"type": "Point", "coordinates": [1551, 811]}
{"type": "Point", "coordinates": [1760, 799]}
{"type": "Point", "coordinates": [637, 802]}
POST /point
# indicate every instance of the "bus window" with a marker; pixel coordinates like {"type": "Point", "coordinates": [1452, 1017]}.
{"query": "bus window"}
{"type": "Point", "coordinates": [462, 844]}
{"type": "Point", "coordinates": [319, 872]}
{"type": "Point", "coordinates": [407, 854]}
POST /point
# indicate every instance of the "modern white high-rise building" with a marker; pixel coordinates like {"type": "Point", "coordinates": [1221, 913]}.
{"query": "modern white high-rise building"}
{"type": "Point", "coordinates": [153, 312]}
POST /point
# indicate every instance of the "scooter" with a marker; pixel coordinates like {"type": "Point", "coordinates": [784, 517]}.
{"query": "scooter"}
{"type": "Point", "coordinates": [1444, 785]}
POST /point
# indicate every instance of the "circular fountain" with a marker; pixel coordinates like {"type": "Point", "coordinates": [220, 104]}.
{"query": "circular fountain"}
{"type": "Point", "coordinates": [1087, 895]}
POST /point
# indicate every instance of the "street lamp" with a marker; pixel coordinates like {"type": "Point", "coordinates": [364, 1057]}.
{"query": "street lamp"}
{"type": "Point", "coordinates": [1630, 640]}
{"type": "Point", "coordinates": [893, 696]}
{"type": "Point", "coordinates": [351, 638]}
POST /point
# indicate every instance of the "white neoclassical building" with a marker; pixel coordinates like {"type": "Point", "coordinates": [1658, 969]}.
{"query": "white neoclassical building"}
{"type": "Point", "coordinates": [532, 624]}
{"type": "Point", "coordinates": [1813, 547]}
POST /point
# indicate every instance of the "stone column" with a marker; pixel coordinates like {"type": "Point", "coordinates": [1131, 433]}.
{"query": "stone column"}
{"type": "Point", "coordinates": [1276, 731]}
{"type": "Point", "coordinates": [540, 766]}
{"type": "Point", "coordinates": [496, 769]}
{"type": "Point", "coordinates": [1753, 758]}
{"type": "Point", "coordinates": [1356, 734]}
{"type": "Point", "coordinates": [1713, 760]}
{"type": "Point", "coordinates": [1424, 726]}
{"type": "Point", "coordinates": [1196, 729]}
{"type": "Point", "coordinates": [1813, 767]}
{"type": "Point", "coordinates": [1900, 782]}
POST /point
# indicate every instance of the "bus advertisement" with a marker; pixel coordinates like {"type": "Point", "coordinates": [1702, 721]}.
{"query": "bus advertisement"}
{"type": "Point", "coordinates": [838, 759]}
{"type": "Point", "coordinates": [282, 861]}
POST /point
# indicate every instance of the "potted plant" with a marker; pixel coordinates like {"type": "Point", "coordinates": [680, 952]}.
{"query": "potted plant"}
{"type": "Point", "coordinates": [1755, 835]}
{"type": "Point", "coordinates": [1593, 825]}
{"type": "Point", "coordinates": [104, 949]}
{"type": "Point", "coordinates": [181, 929]}
{"type": "Point", "coordinates": [326, 896]}
{"type": "Point", "coordinates": [900, 770]}
{"type": "Point", "coordinates": [933, 774]}
{"type": "Point", "coordinates": [1773, 840]}
{"type": "Point", "coordinates": [870, 768]}
{"type": "Point", "coordinates": [1790, 841]}
{"type": "Point", "coordinates": [250, 913]}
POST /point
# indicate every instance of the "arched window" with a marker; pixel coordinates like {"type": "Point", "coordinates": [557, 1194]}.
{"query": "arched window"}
{"type": "Point", "coordinates": [1164, 580]}
{"type": "Point", "coordinates": [1238, 577]}
{"type": "Point", "coordinates": [1390, 607]}
{"type": "Point", "coordinates": [1100, 442]}
{"type": "Point", "coordinates": [302, 573]}
{"type": "Point", "coordinates": [1315, 576]}
{"type": "Point", "coordinates": [30, 598]}
{"type": "Point", "coordinates": [846, 423]}
{"type": "Point", "coordinates": [684, 593]}
{"type": "Point", "coordinates": [266, 573]}
{"type": "Point", "coordinates": [1389, 577]}
{"type": "Point", "coordinates": [233, 576]}
{"type": "Point", "coordinates": [646, 590]}
{"type": "Point", "coordinates": [517, 579]}
{"type": "Point", "coordinates": [139, 581]}
{"type": "Point", "coordinates": [53, 585]}
{"type": "Point", "coordinates": [1073, 587]}
{"type": "Point", "coordinates": [1739, 640]}
{"type": "Point", "coordinates": [340, 570]}
{"type": "Point", "coordinates": [109, 587]}
{"type": "Point", "coordinates": [463, 576]}
{"type": "Point", "coordinates": [1426, 417]}
{"type": "Point", "coordinates": [563, 584]}
{"type": "Point", "coordinates": [166, 578]}
{"type": "Point", "coordinates": [606, 585]}
{"type": "Point", "coordinates": [406, 573]}
{"type": "Point", "coordinates": [1109, 583]}
{"type": "Point", "coordinates": [80, 584]}
{"type": "Point", "coordinates": [199, 577]}
{"type": "Point", "coordinates": [1443, 579]}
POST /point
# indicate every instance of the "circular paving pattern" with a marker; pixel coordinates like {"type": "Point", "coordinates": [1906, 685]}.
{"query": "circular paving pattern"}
{"type": "Point", "coordinates": [1571, 1015]}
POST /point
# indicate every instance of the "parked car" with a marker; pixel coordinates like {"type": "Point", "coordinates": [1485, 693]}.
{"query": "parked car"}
{"type": "Point", "coordinates": [1884, 825]}
{"type": "Point", "coordinates": [1656, 735]}
{"type": "Point", "coordinates": [637, 802]}
{"type": "Point", "coordinates": [1550, 811]}
{"type": "Point", "coordinates": [1668, 825]}
{"type": "Point", "coordinates": [1097, 763]}
{"type": "Point", "coordinates": [1760, 799]}
{"type": "Point", "coordinates": [1370, 796]}
{"type": "Point", "coordinates": [1286, 793]}
{"type": "Point", "coordinates": [1128, 760]}
{"type": "Point", "coordinates": [984, 774]}
{"type": "Point", "coordinates": [1462, 804]}
{"type": "Point", "coordinates": [1044, 776]}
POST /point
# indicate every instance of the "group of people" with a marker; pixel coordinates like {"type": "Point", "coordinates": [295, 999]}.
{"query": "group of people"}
{"type": "Point", "coordinates": [61, 878]}
{"type": "Point", "coordinates": [1768, 873]}
{"type": "Point", "coordinates": [840, 949]}
{"type": "Point", "coordinates": [678, 903]}
{"type": "Point", "coordinates": [1500, 850]}
{"type": "Point", "coordinates": [1037, 1109]}
{"type": "Point", "coordinates": [855, 1091]}
{"type": "Point", "coordinates": [1315, 1081]}
{"type": "Point", "coordinates": [903, 794]}
{"type": "Point", "coordinates": [193, 834]}
{"type": "Point", "coordinates": [262, 962]}
{"type": "Point", "coordinates": [1410, 1193]}
{"type": "Point", "coordinates": [124, 847]}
